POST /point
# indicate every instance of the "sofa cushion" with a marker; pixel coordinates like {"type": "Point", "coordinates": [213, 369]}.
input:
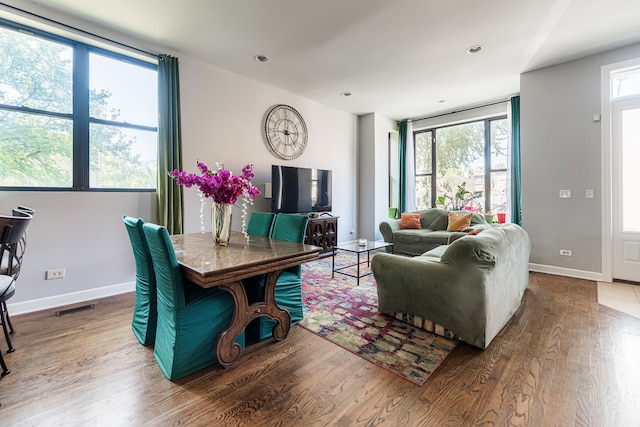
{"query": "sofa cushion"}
{"type": "Point", "coordinates": [410, 221]}
{"type": "Point", "coordinates": [442, 237]}
{"type": "Point", "coordinates": [435, 254]}
{"type": "Point", "coordinates": [426, 241]}
{"type": "Point", "coordinates": [440, 222]}
{"type": "Point", "coordinates": [409, 236]}
{"type": "Point", "coordinates": [458, 221]}
{"type": "Point", "coordinates": [431, 216]}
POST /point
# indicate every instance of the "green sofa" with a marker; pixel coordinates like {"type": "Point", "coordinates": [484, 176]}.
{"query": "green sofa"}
{"type": "Point", "coordinates": [471, 287]}
{"type": "Point", "coordinates": [432, 234]}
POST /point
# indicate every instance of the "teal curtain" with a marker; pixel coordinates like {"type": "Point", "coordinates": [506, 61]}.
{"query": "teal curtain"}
{"type": "Point", "coordinates": [516, 184]}
{"type": "Point", "coordinates": [402, 143]}
{"type": "Point", "coordinates": [170, 203]}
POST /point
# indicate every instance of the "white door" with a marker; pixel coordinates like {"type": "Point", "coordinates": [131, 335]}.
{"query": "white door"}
{"type": "Point", "coordinates": [626, 189]}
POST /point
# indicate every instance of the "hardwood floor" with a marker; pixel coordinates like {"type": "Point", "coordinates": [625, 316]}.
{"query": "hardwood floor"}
{"type": "Point", "coordinates": [563, 360]}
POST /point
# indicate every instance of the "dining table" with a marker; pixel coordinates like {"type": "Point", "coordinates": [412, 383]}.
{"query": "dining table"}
{"type": "Point", "coordinates": [207, 264]}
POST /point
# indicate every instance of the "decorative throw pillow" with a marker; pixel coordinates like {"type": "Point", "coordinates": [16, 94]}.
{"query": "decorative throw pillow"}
{"type": "Point", "coordinates": [410, 220]}
{"type": "Point", "coordinates": [458, 221]}
{"type": "Point", "coordinates": [475, 231]}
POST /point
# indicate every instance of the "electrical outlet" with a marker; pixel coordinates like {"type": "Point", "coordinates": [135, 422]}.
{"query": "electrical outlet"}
{"type": "Point", "coordinates": [54, 274]}
{"type": "Point", "coordinates": [565, 252]}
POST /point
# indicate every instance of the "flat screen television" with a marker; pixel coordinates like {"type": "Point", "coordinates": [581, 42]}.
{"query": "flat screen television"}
{"type": "Point", "coordinates": [300, 190]}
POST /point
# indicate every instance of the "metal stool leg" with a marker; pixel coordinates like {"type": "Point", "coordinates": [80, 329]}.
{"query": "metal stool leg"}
{"type": "Point", "coordinates": [6, 310]}
{"type": "Point", "coordinates": [5, 370]}
{"type": "Point", "coordinates": [3, 320]}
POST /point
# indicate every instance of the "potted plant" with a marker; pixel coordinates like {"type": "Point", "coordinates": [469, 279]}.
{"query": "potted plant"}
{"type": "Point", "coordinates": [460, 200]}
{"type": "Point", "coordinates": [488, 216]}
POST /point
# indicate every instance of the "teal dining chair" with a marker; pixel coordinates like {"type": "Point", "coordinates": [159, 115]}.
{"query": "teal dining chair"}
{"type": "Point", "coordinates": [260, 223]}
{"type": "Point", "coordinates": [145, 312]}
{"type": "Point", "coordinates": [291, 228]}
{"type": "Point", "coordinates": [190, 318]}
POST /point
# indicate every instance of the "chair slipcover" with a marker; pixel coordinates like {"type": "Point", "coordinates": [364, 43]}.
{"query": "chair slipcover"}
{"type": "Point", "coordinates": [260, 223]}
{"type": "Point", "coordinates": [190, 318]}
{"type": "Point", "coordinates": [145, 309]}
{"type": "Point", "coordinates": [291, 228]}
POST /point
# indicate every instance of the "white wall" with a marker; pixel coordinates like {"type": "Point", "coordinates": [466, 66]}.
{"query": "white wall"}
{"type": "Point", "coordinates": [221, 119]}
{"type": "Point", "coordinates": [366, 176]}
{"type": "Point", "coordinates": [373, 167]}
{"type": "Point", "coordinates": [222, 114]}
{"type": "Point", "coordinates": [561, 149]}
{"type": "Point", "coordinates": [82, 233]}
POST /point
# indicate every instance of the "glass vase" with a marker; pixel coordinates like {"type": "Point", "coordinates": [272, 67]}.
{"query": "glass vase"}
{"type": "Point", "coordinates": [221, 222]}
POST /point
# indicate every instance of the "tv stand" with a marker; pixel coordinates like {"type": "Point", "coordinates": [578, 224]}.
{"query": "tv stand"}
{"type": "Point", "coordinates": [322, 231]}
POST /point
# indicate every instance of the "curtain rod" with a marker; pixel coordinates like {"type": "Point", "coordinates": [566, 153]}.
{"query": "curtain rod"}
{"type": "Point", "coordinates": [459, 111]}
{"type": "Point", "coordinates": [87, 33]}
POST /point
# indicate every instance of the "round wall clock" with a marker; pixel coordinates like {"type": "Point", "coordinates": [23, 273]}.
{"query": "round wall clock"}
{"type": "Point", "coordinates": [285, 132]}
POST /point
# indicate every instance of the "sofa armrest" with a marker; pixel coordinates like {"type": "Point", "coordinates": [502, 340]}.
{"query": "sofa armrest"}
{"type": "Point", "coordinates": [387, 227]}
{"type": "Point", "coordinates": [446, 294]}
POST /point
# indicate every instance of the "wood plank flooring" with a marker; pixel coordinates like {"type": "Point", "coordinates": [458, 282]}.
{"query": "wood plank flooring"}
{"type": "Point", "coordinates": [563, 360]}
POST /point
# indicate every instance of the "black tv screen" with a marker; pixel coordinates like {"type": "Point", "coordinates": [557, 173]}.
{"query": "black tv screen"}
{"type": "Point", "coordinates": [300, 190]}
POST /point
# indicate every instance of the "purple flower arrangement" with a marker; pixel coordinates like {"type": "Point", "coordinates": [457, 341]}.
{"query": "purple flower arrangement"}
{"type": "Point", "coordinates": [220, 185]}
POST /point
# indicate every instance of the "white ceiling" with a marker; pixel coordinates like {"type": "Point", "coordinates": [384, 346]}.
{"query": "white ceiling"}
{"type": "Point", "coordinates": [401, 58]}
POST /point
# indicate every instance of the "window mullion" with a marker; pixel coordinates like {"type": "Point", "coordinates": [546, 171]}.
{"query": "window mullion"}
{"type": "Point", "coordinates": [487, 165]}
{"type": "Point", "coordinates": [434, 171]}
{"type": "Point", "coordinates": [81, 122]}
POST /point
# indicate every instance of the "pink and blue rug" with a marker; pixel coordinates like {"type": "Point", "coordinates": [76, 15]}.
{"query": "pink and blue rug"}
{"type": "Point", "coordinates": [347, 315]}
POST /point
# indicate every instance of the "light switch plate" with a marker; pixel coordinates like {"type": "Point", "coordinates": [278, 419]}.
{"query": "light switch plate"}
{"type": "Point", "coordinates": [589, 194]}
{"type": "Point", "coordinates": [565, 194]}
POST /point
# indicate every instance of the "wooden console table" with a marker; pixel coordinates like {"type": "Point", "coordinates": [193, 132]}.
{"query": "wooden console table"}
{"type": "Point", "coordinates": [323, 232]}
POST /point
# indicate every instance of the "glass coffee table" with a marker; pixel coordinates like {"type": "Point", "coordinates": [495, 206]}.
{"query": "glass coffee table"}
{"type": "Point", "coordinates": [355, 247]}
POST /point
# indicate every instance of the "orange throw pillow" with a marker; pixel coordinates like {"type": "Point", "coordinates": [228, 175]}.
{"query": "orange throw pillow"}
{"type": "Point", "coordinates": [458, 221]}
{"type": "Point", "coordinates": [475, 231]}
{"type": "Point", "coordinates": [410, 220]}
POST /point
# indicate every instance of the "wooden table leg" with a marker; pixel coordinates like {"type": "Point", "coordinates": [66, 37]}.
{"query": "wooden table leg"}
{"type": "Point", "coordinates": [228, 351]}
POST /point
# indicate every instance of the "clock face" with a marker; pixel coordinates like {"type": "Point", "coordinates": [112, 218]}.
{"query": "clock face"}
{"type": "Point", "coordinates": [285, 132]}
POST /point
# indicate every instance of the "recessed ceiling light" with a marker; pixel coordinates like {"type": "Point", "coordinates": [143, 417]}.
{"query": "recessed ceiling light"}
{"type": "Point", "coordinates": [261, 58]}
{"type": "Point", "coordinates": [345, 94]}
{"type": "Point", "coordinates": [475, 49]}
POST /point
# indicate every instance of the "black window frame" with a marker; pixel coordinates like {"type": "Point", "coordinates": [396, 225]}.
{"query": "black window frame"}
{"type": "Point", "coordinates": [434, 168]}
{"type": "Point", "coordinates": [81, 120]}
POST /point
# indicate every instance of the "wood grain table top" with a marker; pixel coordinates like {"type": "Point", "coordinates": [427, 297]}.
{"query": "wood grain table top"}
{"type": "Point", "coordinates": [208, 264]}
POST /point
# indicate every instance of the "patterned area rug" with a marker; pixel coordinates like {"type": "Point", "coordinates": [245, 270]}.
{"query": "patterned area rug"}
{"type": "Point", "coordinates": [347, 315]}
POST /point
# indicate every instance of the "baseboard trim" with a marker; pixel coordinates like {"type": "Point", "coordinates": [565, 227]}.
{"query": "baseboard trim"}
{"type": "Point", "coordinates": [107, 291]}
{"type": "Point", "coordinates": [569, 272]}
{"type": "Point", "coordinates": [70, 298]}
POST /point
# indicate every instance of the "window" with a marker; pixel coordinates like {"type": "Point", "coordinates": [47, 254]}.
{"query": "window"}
{"type": "Point", "coordinates": [73, 116]}
{"type": "Point", "coordinates": [463, 166]}
{"type": "Point", "coordinates": [625, 83]}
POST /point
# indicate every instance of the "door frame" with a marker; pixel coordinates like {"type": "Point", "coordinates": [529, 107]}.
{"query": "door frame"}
{"type": "Point", "coordinates": [606, 137]}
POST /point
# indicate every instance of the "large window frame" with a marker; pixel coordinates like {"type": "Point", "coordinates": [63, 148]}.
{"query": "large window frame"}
{"type": "Point", "coordinates": [433, 173]}
{"type": "Point", "coordinates": [80, 117]}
